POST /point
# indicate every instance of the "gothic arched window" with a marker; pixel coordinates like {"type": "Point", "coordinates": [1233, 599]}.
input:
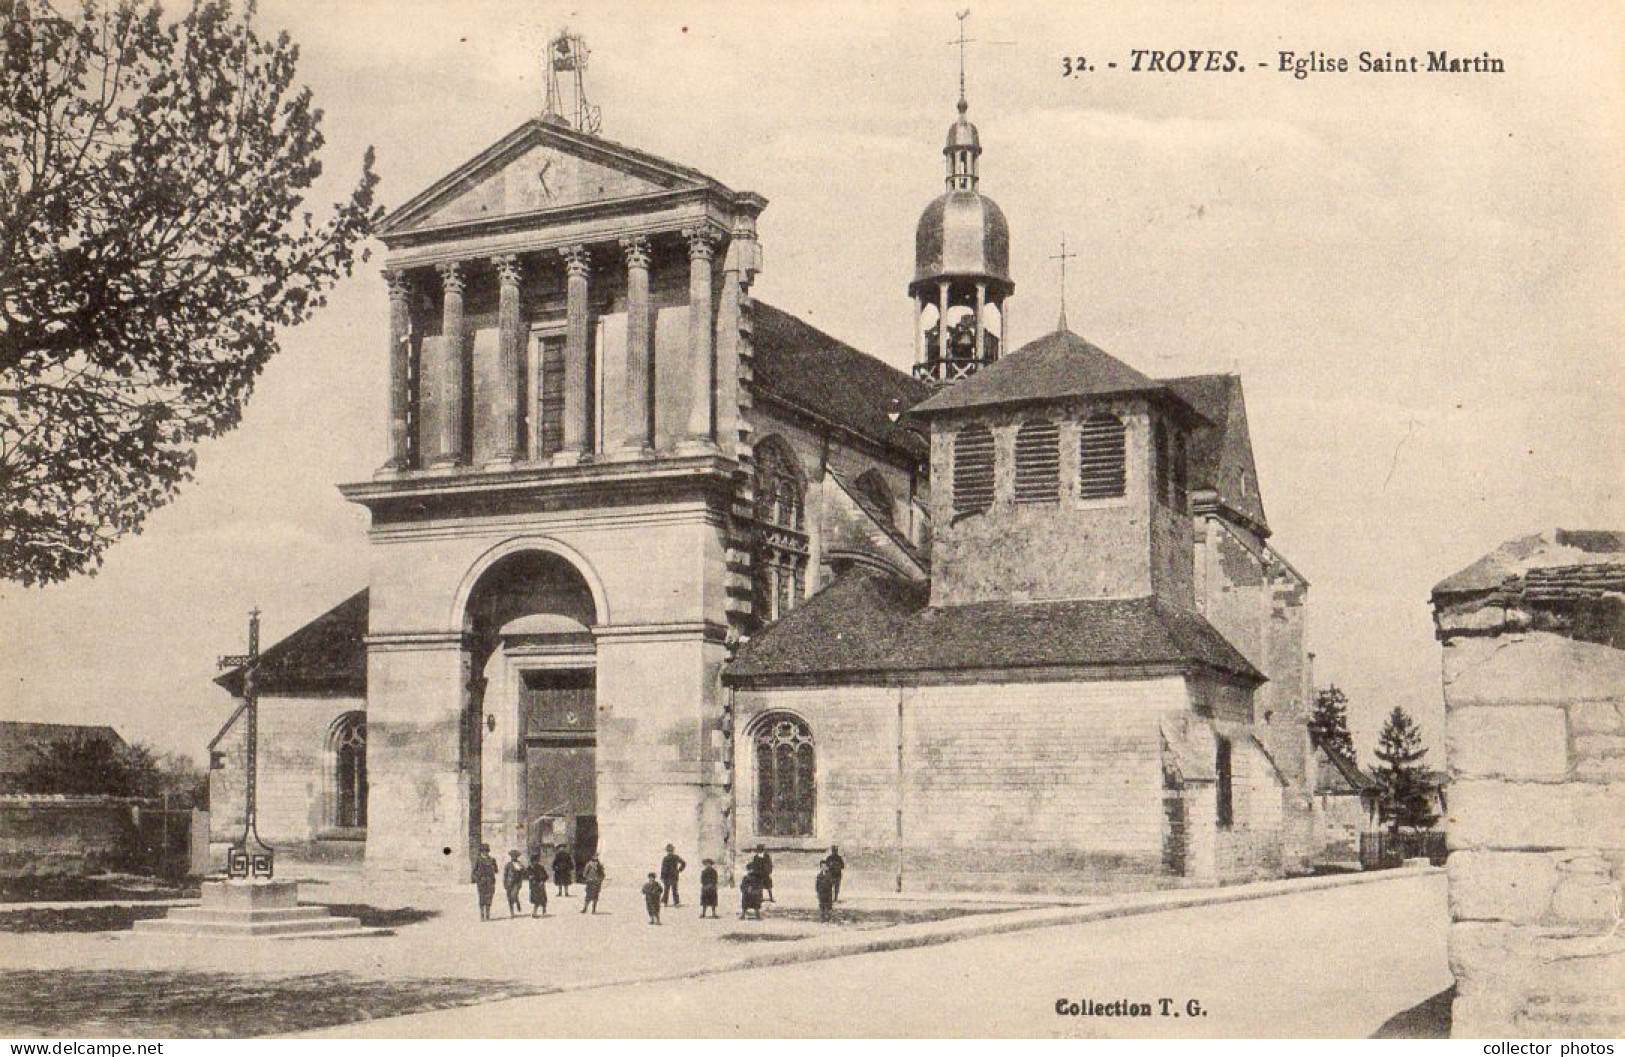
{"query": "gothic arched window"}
{"type": "Point", "coordinates": [973, 469]}
{"type": "Point", "coordinates": [348, 744]}
{"type": "Point", "coordinates": [779, 564]}
{"type": "Point", "coordinates": [786, 777]}
{"type": "Point", "coordinates": [1101, 457]}
{"type": "Point", "coordinates": [1038, 461]}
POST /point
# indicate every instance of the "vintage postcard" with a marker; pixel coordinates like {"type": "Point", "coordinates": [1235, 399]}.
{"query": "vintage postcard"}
{"type": "Point", "coordinates": [695, 520]}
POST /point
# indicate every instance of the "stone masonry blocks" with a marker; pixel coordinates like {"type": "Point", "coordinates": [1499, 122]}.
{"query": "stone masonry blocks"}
{"type": "Point", "coordinates": [1519, 742]}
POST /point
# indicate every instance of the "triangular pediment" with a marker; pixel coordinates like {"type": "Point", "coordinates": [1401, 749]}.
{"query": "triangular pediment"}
{"type": "Point", "coordinates": [540, 167]}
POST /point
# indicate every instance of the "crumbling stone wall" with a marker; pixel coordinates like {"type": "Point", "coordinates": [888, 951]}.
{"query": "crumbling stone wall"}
{"type": "Point", "coordinates": [1534, 687]}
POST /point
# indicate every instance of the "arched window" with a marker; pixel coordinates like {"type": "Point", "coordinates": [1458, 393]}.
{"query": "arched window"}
{"type": "Point", "coordinates": [1101, 457]}
{"type": "Point", "coordinates": [779, 565]}
{"type": "Point", "coordinates": [973, 469]}
{"type": "Point", "coordinates": [778, 486]}
{"type": "Point", "coordinates": [876, 495]}
{"type": "Point", "coordinates": [1038, 462]}
{"type": "Point", "coordinates": [786, 777]}
{"type": "Point", "coordinates": [348, 743]}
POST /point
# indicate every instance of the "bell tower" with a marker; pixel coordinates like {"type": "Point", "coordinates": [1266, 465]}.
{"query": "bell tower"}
{"type": "Point", "coordinates": [961, 263]}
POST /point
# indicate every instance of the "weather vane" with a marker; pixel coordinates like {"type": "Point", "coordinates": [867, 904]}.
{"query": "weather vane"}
{"type": "Point", "coordinates": [962, 41]}
{"type": "Point", "coordinates": [1063, 257]}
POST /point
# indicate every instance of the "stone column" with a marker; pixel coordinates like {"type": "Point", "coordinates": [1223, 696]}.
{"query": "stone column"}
{"type": "Point", "coordinates": [447, 449]}
{"type": "Point", "coordinates": [400, 351]}
{"type": "Point", "coordinates": [942, 321]}
{"type": "Point", "coordinates": [981, 327]}
{"type": "Point", "coordinates": [639, 404]}
{"type": "Point", "coordinates": [510, 361]}
{"type": "Point", "coordinates": [1533, 641]}
{"type": "Point", "coordinates": [702, 359]}
{"type": "Point", "coordinates": [578, 380]}
{"type": "Point", "coordinates": [919, 329]}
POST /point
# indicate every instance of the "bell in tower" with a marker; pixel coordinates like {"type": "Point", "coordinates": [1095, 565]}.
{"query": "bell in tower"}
{"type": "Point", "coordinates": [961, 266]}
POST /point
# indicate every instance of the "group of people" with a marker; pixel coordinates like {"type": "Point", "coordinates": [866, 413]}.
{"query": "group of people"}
{"type": "Point", "coordinates": [661, 889]}
{"type": "Point", "coordinates": [517, 876]}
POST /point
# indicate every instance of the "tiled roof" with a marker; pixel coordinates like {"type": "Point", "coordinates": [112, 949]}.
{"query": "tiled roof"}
{"type": "Point", "coordinates": [869, 624]}
{"type": "Point", "coordinates": [18, 741]}
{"type": "Point", "coordinates": [800, 365]}
{"type": "Point", "coordinates": [1352, 778]}
{"type": "Point", "coordinates": [327, 655]}
{"type": "Point", "coordinates": [1221, 454]}
{"type": "Point", "coordinates": [1059, 365]}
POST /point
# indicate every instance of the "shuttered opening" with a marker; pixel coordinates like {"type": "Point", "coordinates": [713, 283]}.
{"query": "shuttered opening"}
{"type": "Point", "coordinates": [1101, 470]}
{"type": "Point", "coordinates": [973, 469]}
{"type": "Point", "coordinates": [1038, 462]}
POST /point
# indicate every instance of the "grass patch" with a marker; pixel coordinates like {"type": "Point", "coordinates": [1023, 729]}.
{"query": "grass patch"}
{"type": "Point", "coordinates": [884, 917]}
{"type": "Point", "coordinates": [125, 887]}
{"type": "Point", "coordinates": [163, 1004]}
{"type": "Point", "coordinates": [77, 919]}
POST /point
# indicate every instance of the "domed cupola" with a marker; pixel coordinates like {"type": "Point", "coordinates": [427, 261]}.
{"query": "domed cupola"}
{"type": "Point", "coordinates": [961, 267]}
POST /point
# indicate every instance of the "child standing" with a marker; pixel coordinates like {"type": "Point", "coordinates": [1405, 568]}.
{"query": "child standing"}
{"type": "Point", "coordinates": [825, 886]}
{"type": "Point", "coordinates": [651, 898]}
{"type": "Point", "coordinates": [485, 880]}
{"type": "Point", "coordinates": [592, 875]}
{"type": "Point", "coordinates": [537, 876]}
{"type": "Point", "coordinates": [708, 888]}
{"type": "Point", "coordinates": [750, 895]}
{"type": "Point", "coordinates": [513, 875]}
{"type": "Point", "coordinates": [564, 869]}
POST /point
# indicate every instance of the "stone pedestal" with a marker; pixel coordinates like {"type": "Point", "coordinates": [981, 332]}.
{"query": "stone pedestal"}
{"type": "Point", "coordinates": [1534, 686]}
{"type": "Point", "coordinates": [252, 909]}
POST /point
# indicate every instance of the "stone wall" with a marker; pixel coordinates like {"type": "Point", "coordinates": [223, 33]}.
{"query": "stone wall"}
{"type": "Point", "coordinates": [67, 835]}
{"type": "Point", "coordinates": [1125, 547]}
{"type": "Point", "coordinates": [1535, 738]}
{"type": "Point", "coordinates": [295, 769]}
{"type": "Point", "coordinates": [1006, 785]}
{"type": "Point", "coordinates": [1258, 603]}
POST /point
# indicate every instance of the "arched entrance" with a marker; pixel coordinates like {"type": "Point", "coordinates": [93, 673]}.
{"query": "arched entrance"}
{"type": "Point", "coordinates": [532, 714]}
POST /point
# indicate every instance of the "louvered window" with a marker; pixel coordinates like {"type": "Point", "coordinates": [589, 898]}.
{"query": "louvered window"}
{"type": "Point", "coordinates": [1101, 458]}
{"type": "Point", "coordinates": [1038, 462]}
{"type": "Point", "coordinates": [973, 469]}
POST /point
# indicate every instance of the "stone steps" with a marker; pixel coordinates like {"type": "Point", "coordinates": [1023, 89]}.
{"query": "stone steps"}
{"type": "Point", "coordinates": [302, 923]}
{"type": "Point", "coordinates": [258, 909]}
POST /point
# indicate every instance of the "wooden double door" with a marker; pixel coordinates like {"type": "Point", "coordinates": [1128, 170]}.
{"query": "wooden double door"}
{"type": "Point", "coordinates": [559, 722]}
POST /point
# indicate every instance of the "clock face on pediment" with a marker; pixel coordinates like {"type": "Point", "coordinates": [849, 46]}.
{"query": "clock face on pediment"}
{"type": "Point", "coordinates": [539, 177]}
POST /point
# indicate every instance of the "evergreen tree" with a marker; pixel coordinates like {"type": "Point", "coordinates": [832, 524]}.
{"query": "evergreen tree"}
{"type": "Point", "coordinates": [1329, 725]}
{"type": "Point", "coordinates": [1407, 795]}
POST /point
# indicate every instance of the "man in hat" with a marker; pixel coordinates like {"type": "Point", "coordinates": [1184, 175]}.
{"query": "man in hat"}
{"type": "Point", "coordinates": [671, 867]}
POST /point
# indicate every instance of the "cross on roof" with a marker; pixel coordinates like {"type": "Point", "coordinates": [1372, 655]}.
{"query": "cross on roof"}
{"type": "Point", "coordinates": [962, 41]}
{"type": "Point", "coordinates": [1063, 257]}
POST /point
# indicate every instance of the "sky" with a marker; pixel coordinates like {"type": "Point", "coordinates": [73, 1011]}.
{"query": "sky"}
{"type": "Point", "coordinates": [1417, 277]}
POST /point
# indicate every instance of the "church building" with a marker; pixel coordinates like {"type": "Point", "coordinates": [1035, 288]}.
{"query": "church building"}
{"type": "Point", "coordinates": [656, 562]}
